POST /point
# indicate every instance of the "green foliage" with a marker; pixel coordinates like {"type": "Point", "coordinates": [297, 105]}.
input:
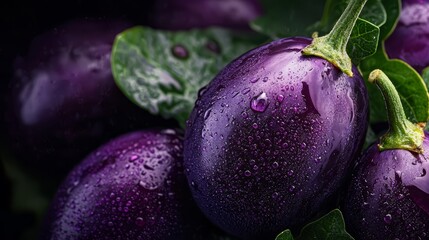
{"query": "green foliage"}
{"type": "Point", "coordinates": [329, 227]}
{"type": "Point", "coordinates": [153, 77]}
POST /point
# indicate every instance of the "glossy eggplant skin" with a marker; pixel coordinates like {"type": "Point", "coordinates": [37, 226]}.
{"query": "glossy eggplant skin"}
{"type": "Point", "coordinates": [132, 187]}
{"type": "Point", "coordinates": [388, 197]}
{"type": "Point", "coordinates": [180, 15]}
{"type": "Point", "coordinates": [273, 138]}
{"type": "Point", "coordinates": [63, 101]}
{"type": "Point", "coordinates": [410, 39]}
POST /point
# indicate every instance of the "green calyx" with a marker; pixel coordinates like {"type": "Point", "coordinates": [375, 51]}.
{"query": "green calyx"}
{"type": "Point", "coordinates": [402, 134]}
{"type": "Point", "coordinates": [332, 46]}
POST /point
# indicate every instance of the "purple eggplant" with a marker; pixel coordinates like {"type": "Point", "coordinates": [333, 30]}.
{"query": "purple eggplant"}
{"type": "Point", "coordinates": [179, 14]}
{"type": "Point", "coordinates": [388, 197]}
{"type": "Point", "coordinates": [63, 101]}
{"type": "Point", "coordinates": [133, 187]}
{"type": "Point", "coordinates": [272, 138]}
{"type": "Point", "coordinates": [410, 39]}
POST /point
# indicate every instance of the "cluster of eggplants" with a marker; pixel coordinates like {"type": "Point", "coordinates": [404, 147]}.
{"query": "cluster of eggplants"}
{"type": "Point", "coordinates": [133, 187]}
{"type": "Point", "coordinates": [279, 128]}
{"type": "Point", "coordinates": [63, 101]}
{"type": "Point", "coordinates": [409, 40]}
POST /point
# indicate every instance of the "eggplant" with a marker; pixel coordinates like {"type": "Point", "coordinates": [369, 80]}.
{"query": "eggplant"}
{"type": "Point", "coordinates": [409, 40]}
{"type": "Point", "coordinates": [388, 196]}
{"type": "Point", "coordinates": [132, 187]}
{"type": "Point", "coordinates": [272, 138]}
{"type": "Point", "coordinates": [180, 15]}
{"type": "Point", "coordinates": [63, 101]}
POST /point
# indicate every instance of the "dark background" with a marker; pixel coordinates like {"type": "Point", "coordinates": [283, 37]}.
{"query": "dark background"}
{"type": "Point", "coordinates": [20, 22]}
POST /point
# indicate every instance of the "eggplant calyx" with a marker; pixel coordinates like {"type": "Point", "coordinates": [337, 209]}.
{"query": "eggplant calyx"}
{"type": "Point", "coordinates": [333, 46]}
{"type": "Point", "coordinates": [402, 133]}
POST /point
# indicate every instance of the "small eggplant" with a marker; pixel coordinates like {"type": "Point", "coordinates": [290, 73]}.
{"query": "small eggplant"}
{"type": "Point", "coordinates": [388, 197]}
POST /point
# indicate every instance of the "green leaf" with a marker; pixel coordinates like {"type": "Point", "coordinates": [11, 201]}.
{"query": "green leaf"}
{"type": "Point", "coordinates": [150, 75]}
{"type": "Point", "coordinates": [373, 12]}
{"type": "Point", "coordinates": [285, 18]}
{"type": "Point", "coordinates": [285, 235]}
{"type": "Point", "coordinates": [393, 9]}
{"type": "Point", "coordinates": [409, 84]}
{"type": "Point", "coordinates": [407, 81]}
{"type": "Point", "coordinates": [363, 40]}
{"type": "Point", "coordinates": [425, 76]}
{"type": "Point", "coordinates": [329, 227]}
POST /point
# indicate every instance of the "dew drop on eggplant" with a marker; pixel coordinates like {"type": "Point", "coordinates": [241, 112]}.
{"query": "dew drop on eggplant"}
{"type": "Point", "coordinates": [259, 103]}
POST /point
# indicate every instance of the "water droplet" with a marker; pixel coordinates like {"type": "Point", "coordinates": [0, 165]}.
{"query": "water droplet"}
{"type": "Point", "coordinates": [245, 91]}
{"type": "Point", "coordinates": [275, 195]}
{"type": "Point", "coordinates": [207, 113]}
{"type": "Point", "coordinates": [139, 222]}
{"type": "Point", "coordinates": [147, 167]}
{"type": "Point", "coordinates": [259, 103]}
{"type": "Point", "coordinates": [265, 79]}
{"type": "Point", "coordinates": [388, 218]}
{"type": "Point", "coordinates": [143, 184]}
{"type": "Point", "coordinates": [247, 173]}
{"type": "Point", "coordinates": [292, 188]}
{"type": "Point", "coordinates": [290, 172]}
{"type": "Point", "coordinates": [254, 80]}
{"type": "Point", "coordinates": [280, 98]}
{"type": "Point", "coordinates": [275, 164]}
{"type": "Point", "coordinates": [255, 125]}
{"type": "Point", "coordinates": [110, 224]}
{"type": "Point", "coordinates": [180, 51]}
{"type": "Point", "coordinates": [316, 160]}
{"type": "Point", "coordinates": [213, 46]}
{"type": "Point", "coordinates": [133, 158]}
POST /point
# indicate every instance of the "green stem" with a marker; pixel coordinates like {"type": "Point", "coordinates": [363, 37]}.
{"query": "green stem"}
{"type": "Point", "coordinates": [332, 46]}
{"type": "Point", "coordinates": [402, 134]}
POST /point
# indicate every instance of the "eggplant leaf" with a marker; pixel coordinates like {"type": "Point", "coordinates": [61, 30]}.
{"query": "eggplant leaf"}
{"type": "Point", "coordinates": [162, 71]}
